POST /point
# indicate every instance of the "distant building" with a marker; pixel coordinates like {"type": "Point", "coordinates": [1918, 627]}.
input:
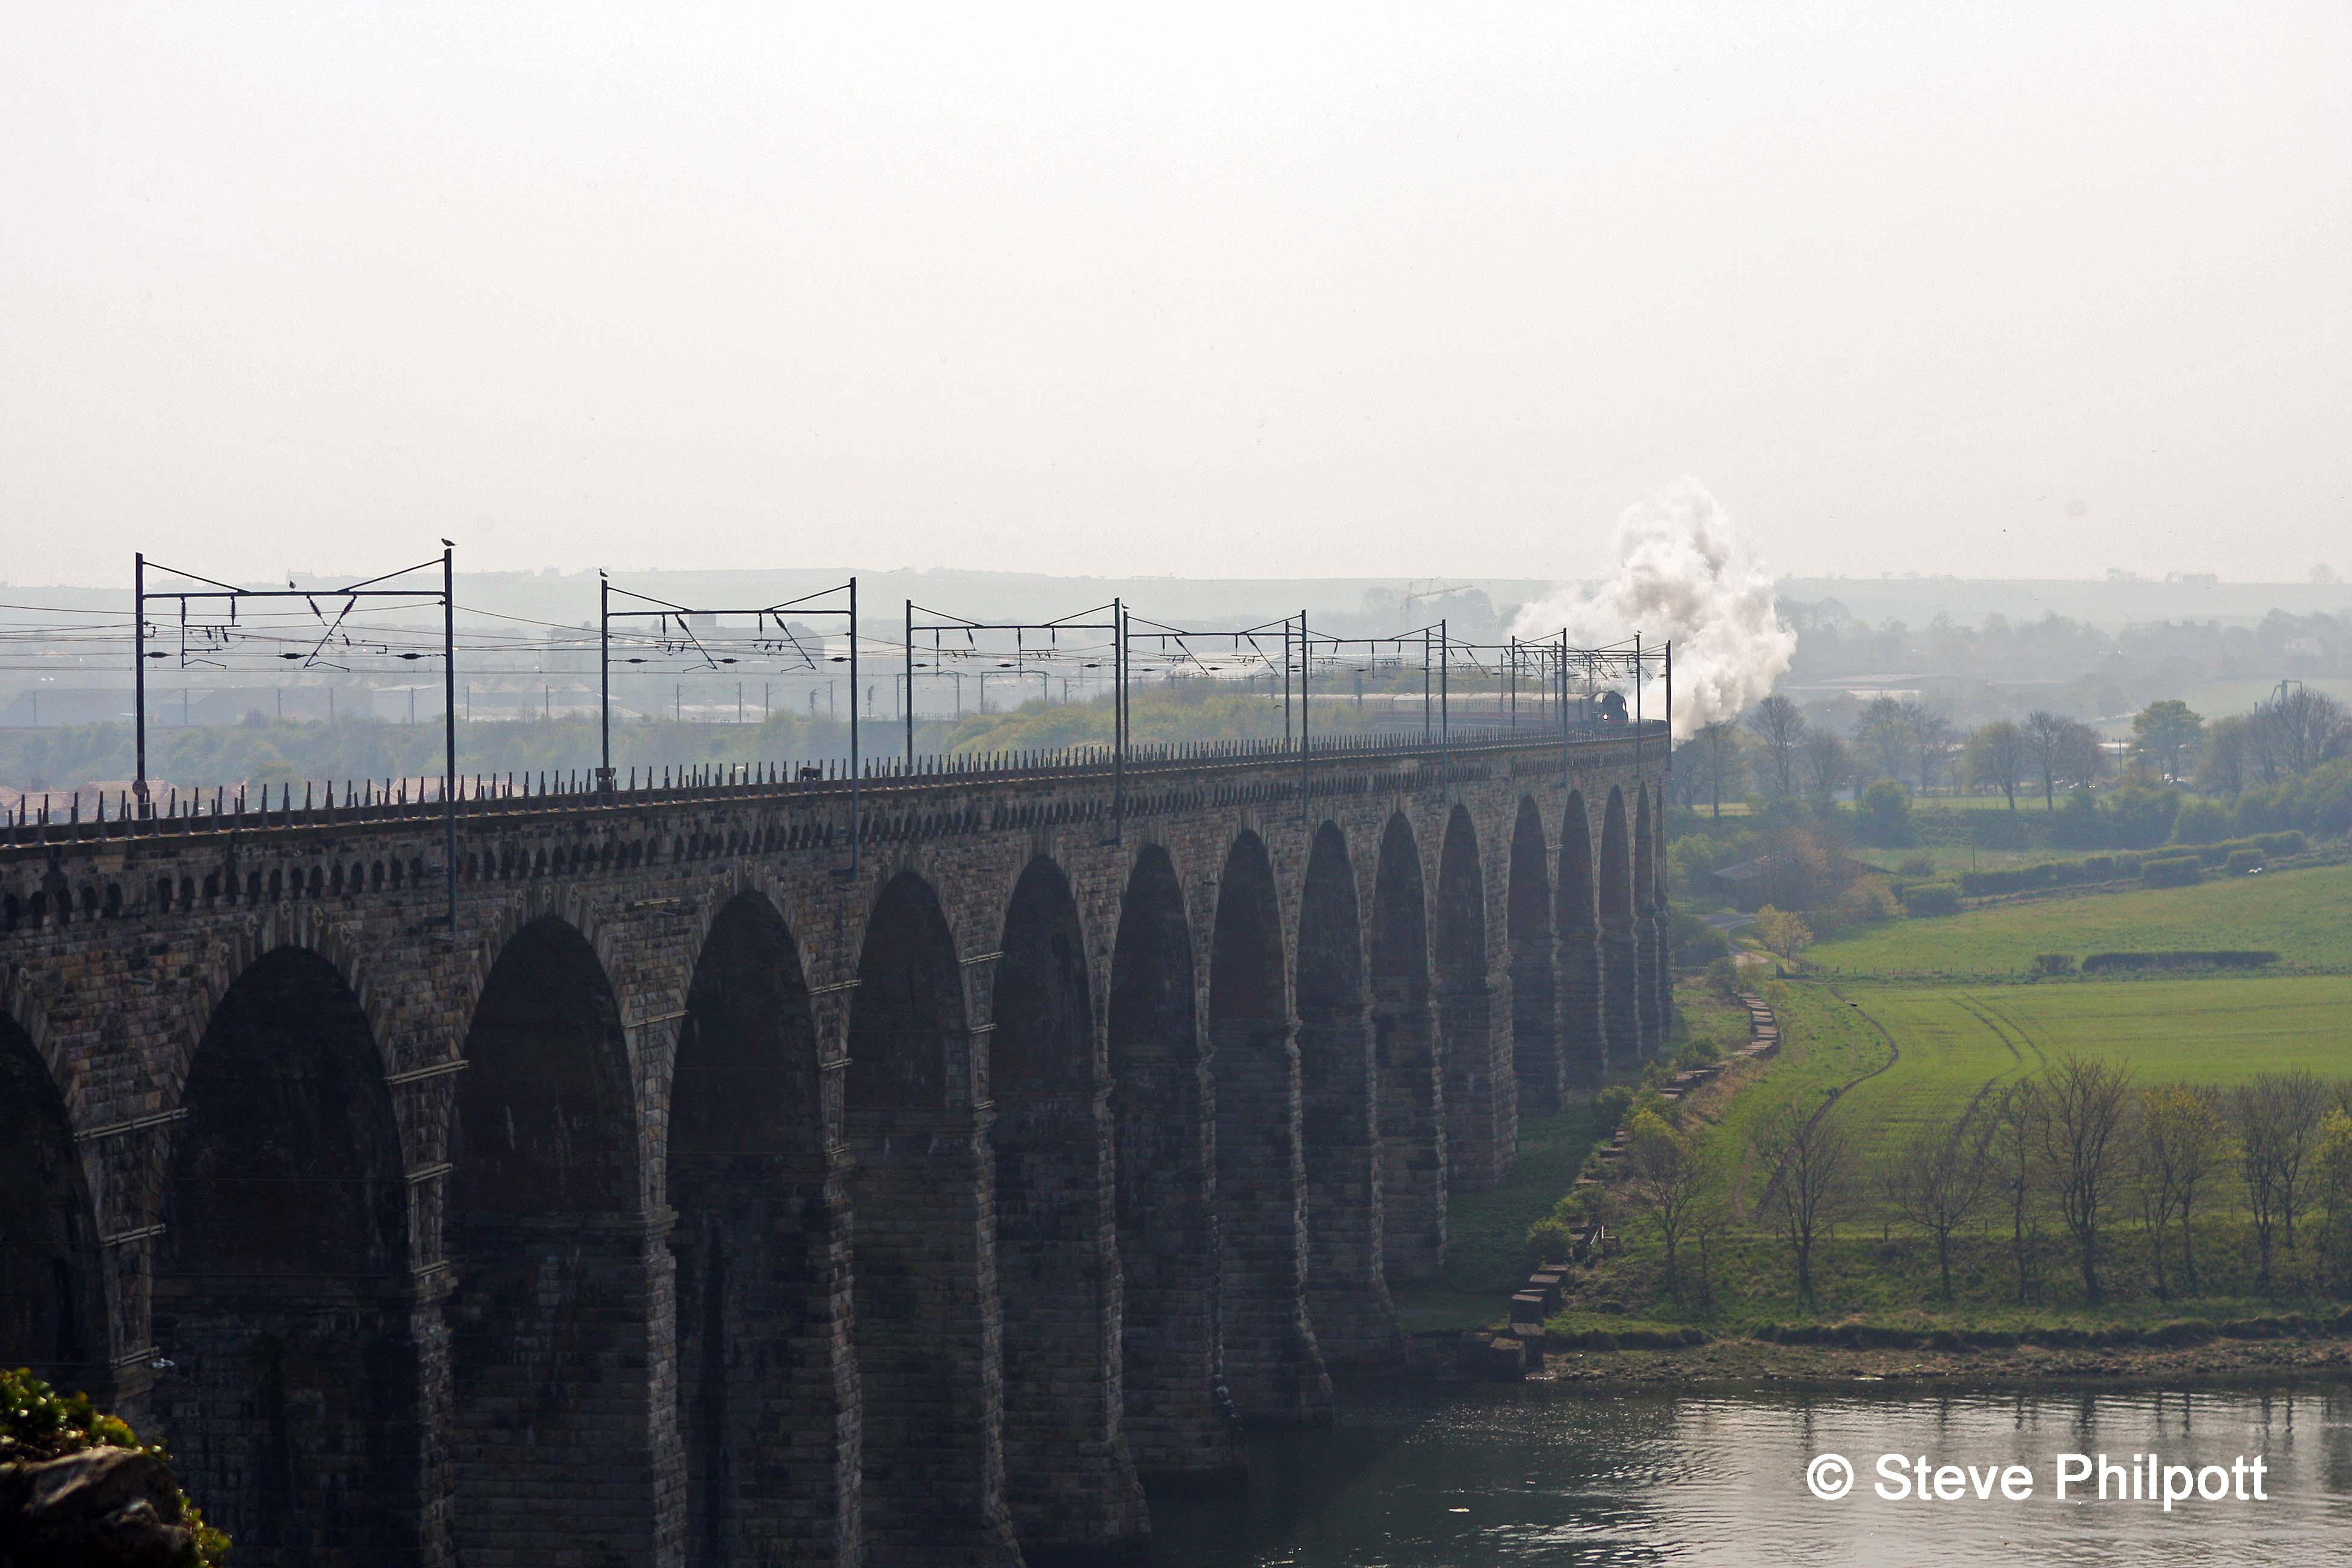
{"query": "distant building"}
{"type": "Point", "coordinates": [1784, 880]}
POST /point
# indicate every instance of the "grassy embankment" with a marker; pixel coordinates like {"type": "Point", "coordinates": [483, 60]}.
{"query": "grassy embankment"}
{"type": "Point", "coordinates": [1486, 1258]}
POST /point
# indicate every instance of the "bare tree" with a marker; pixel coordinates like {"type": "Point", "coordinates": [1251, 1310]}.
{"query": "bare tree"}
{"type": "Point", "coordinates": [2181, 1140]}
{"type": "Point", "coordinates": [2296, 730]}
{"type": "Point", "coordinates": [2017, 1118]}
{"type": "Point", "coordinates": [2276, 1118]}
{"type": "Point", "coordinates": [1707, 767]}
{"type": "Point", "coordinates": [1826, 764]}
{"type": "Point", "coordinates": [1722, 742]}
{"type": "Point", "coordinates": [2060, 750]}
{"type": "Point", "coordinates": [1940, 1178]}
{"type": "Point", "coordinates": [1931, 737]}
{"type": "Point", "coordinates": [1780, 725]}
{"type": "Point", "coordinates": [1996, 756]}
{"type": "Point", "coordinates": [1883, 734]}
{"type": "Point", "coordinates": [1809, 1187]}
{"type": "Point", "coordinates": [2086, 1101]}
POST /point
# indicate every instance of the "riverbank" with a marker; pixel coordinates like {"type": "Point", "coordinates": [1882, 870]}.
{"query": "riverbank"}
{"type": "Point", "coordinates": [1740, 1363]}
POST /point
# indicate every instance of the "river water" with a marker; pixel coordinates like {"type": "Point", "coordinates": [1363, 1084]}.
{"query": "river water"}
{"type": "Point", "coordinates": [1426, 1476]}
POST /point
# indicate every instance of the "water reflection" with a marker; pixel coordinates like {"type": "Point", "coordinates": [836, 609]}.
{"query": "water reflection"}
{"type": "Point", "coordinates": [1424, 1478]}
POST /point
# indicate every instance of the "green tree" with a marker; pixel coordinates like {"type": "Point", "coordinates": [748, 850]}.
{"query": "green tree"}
{"type": "Point", "coordinates": [2166, 733]}
{"type": "Point", "coordinates": [1665, 1184]}
{"type": "Point", "coordinates": [1783, 931]}
{"type": "Point", "coordinates": [2225, 759]}
{"type": "Point", "coordinates": [1886, 814]}
{"type": "Point", "coordinates": [2334, 1157]}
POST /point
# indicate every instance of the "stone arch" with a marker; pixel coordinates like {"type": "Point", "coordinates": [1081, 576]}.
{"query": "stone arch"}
{"type": "Point", "coordinates": [1648, 1000]}
{"type": "Point", "coordinates": [564, 1304]}
{"type": "Point", "coordinates": [1481, 1102]}
{"type": "Point", "coordinates": [1658, 964]}
{"type": "Point", "coordinates": [1162, 1170]}
{"type": "Point", "coordinates": [1404, 1039]}
{"type": "Point", "coordinates": [765, 1369]}
{"type": "Point", "coordinates": [1272, 1364]}
{"type": "Point", "coordinates": [52, 1294]}
{"type": "Point", "coordinates": [1069, 1484]}
{"type": "Point", "coordinates": [926, 1309]}
{"type": "Point", "coordinates": [1535, 991]}
{"type": "Point", "coordinates": [282, 1298]}
{"type": "Point", "coordinates": [1619, 954]}
{"type": "Point", "coordinates": [1584, 1054]}
{"type": "Point", "coordinates": [1346, 1296]}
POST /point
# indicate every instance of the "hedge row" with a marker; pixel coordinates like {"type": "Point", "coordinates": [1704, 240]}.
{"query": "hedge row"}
{"type": "Point", "coordinates": [2185, 959]}
{"type": "Point", "coordinates": [2171, 871]}
{"type": "Point", "coordinates": [2129, 863]}
{"type": "Point", "coordinates": [1932, 898]}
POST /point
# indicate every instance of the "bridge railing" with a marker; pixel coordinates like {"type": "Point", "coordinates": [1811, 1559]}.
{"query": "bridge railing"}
{"type": "Point", "coordinates": [59, 820]}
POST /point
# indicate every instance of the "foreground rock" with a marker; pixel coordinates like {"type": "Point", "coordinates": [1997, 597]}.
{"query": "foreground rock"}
{"type": "Point", "coordinates": [103, 1508]}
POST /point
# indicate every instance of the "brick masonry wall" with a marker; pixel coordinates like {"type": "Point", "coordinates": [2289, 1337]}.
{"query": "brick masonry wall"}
{"type": "Point", "coordinates": [111, 1003]}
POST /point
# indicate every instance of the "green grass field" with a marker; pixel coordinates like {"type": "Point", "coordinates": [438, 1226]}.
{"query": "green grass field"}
{"type": "Point", "coordinates": [1957, 1041]}
{"type": "Point", "coordinates": [2306, 916]}
{"type": "Point", "coordinates": [1905, 1057]}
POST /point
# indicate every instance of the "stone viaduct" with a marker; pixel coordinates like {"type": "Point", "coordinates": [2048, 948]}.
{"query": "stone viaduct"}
{"type": "Point", "coordinates": [709, 1200]}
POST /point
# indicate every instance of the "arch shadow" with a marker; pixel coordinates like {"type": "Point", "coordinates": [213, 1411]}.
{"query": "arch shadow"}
{"type": "Point", "coordinates": [1621, 1012]}
{"type": "Point", "coordinates": [52, 1295]}
{"type": "Point", "coordinates": [1347, 1295]}
{"type": "Point", "coordinates": [926, 1293]}
{"type": "Point", "coordinates": [766, 1371]}
{"type": "Point", "coordinates": [564, 1300]}
{"type": "Point", "coordinates": [294, 1400]}
{"type": "Point", "coordinates": [1069, 1483]}
{"type": "Point", "coordinates": [1584, 1051]}
{"type": "Point", "coordinates": [1167, 1219]}
{"type": "Point", "coordinates": [1481, 1092]}
{"type": "Point", "coordinates": [1534, 987]}
{"type": "Point", "coordinates": [1404, 1040]}
{"type": "Point", "coordinates": [1272, 1364]}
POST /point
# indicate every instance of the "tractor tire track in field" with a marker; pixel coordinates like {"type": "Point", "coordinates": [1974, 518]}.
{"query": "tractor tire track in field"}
{"type": "Point", "coordinates": [1893, 1055]}
{"type": "Point", "coordinates": [1999, 1025]}
{"type": "Point", "coordinates": [2032, 1043]}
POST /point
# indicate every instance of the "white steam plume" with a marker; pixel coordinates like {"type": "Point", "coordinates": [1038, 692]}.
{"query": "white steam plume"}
{"type": "Point", "coordinates": [1683, 574]}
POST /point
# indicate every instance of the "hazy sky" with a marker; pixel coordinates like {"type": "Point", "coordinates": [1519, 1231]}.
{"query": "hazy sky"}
{"type": "Point", "coordinates": [1996, 289]}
